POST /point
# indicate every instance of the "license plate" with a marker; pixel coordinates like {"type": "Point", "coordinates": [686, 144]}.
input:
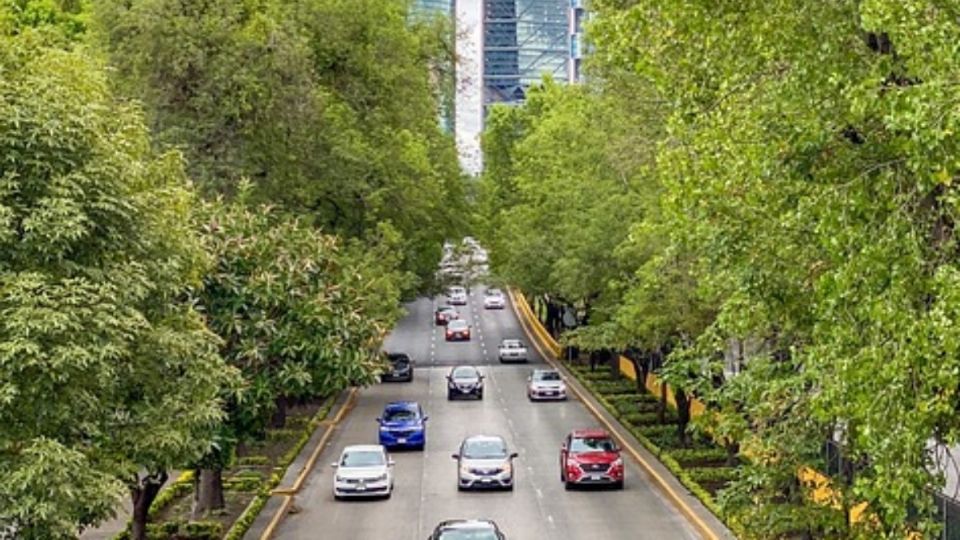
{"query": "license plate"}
{"type": "Point", "coordinates": [549, 393]}
{"type": "Point", "coordinates": [486, 480]}
{"type": "Point", "coordinates": [401, 441]}
{"type": "Point", "coordinates": [361, 487]}
{"type": "Point", "coordinates": [596, 477]}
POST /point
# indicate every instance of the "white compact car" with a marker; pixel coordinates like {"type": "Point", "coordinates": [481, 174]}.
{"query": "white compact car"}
{"type": "Point", "coordinates": [494, 299]}
{"type": "Point", "coordinates": [484, 462]}
{"type": "Point", "coordinates": [457, 296]}
{"type": "Point", "coordinates": [512, 350]}
{"type": "Point", "coordinates": [363, 471]}
{"type": "Point", "coordinates": [546, 384]}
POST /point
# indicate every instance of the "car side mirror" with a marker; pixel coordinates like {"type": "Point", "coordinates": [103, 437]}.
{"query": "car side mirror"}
{"type": "Point", "coordinates": [455, 456]}
{"type": "Point", "coordinates": [425, 418]}
{"type": "Point", "coordinates": [379, 420]}
{"type": "Point", "coordinates": [514, 455]}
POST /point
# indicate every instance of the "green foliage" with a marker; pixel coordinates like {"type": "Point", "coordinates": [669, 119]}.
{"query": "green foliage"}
{"type": "Point", "coordinates": [105, 371]}
{"type": "Point", "coordinates": [328, 107]}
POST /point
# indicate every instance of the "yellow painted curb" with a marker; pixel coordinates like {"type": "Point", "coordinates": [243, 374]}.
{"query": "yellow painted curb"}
{"type": "Point", "coordinates": [526, 319]}
{"type": "Point", "coordinates": [288, 492]}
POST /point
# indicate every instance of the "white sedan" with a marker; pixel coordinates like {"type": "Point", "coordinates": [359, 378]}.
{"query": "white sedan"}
{"type": "Point", "coordinates": [546, 384]}
{"type": "Point", "coordinates": [512, 350]}
{"type": "Point", "coordinates": [363, 471]}
{"type": "Point", "coordinates": [494, 299]}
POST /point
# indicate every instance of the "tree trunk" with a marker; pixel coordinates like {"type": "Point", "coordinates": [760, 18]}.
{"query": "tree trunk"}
{"type": "Point", "coordinates": [209, 492]}
{"type": "Point", "coordinates": [662, 409]}
{"type": "Point", "coordinates": [143, 493]}
{"type": "Point", "coordinates": [733, 448]}
{"type": "Point", "coordinates": [279, 417]}
{"type": "Point", "coordinates": [683, 415]}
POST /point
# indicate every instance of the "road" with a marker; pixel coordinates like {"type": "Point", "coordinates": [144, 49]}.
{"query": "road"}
{"type": "Point", "coordinates": [425, 482]}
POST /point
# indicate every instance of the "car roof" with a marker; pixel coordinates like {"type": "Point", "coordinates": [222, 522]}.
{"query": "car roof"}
{"type": "Point", "coordinates": [511, 341]}
{"type": "Point", "coordinates": [446, 308]}
{"type": "Point", "coordinates": [467, 524]}
{"type": "Point", "coordinates": [363, 448]}
{"type": "Point", "coordinates": [401, 405]}
{"type": "Point", "coordinates": [591, 433]}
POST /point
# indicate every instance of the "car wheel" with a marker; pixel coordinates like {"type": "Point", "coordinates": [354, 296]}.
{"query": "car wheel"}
{"type": "Point", "coordinates": [510, 487]}
{"type": "Point", "coordinates": [618, 485]}
{"type": "Point", "coordinates": [480, 395]}
{"type": "Point", "coordinates": [337, 497]}
{"type": "Point", "coordinates": [460, 487]}
{"type": "Point", "coordinates": [568, 486]}
{"type": "Point", "coordinates": [449, 395]}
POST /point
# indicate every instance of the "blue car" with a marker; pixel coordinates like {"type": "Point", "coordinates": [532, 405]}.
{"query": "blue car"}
{"type": "Point", "coordinates": [403, 425]}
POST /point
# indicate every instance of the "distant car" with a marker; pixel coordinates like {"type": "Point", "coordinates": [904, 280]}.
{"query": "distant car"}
{"type": "Point", "coordinates": [512, 350]}
{"type": "Point", "coordinates": [401, 368]}
{"type": "Point", "coordinates": [457, 330]}
{"type": "Point", "coordinates": [403, 425]}
{"type": "Point", "coordinates": [363, 471]}
{"type": "Point", "coordinates": [484, 462]}
{"type": "Point", "coordinates": [590, 456]}
{"type": "Point", "coordinates": [464, 381]}
{"type": "Point", "coordinates": [445, 314]}
{"type": "Point", "coordinates": [494, 299]}
{"type": "Point", "coordinates": [457, 295]}
{"type": "Point", "coordinates": [469, 529]}
{"type": "Point", "coordinates": [546, 384]}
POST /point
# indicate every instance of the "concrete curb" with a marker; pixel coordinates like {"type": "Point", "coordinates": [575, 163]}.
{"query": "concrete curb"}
{"type": "Point", "coordinates": [705, 522]}
{"type": "Point", "coordinates": [281, 498]}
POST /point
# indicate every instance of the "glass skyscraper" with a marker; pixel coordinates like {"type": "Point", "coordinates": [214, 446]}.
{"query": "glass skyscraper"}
{"type": "Point", "coordinates": [430, 7]}
{"type": "Point", "coordinates": [523, 40]}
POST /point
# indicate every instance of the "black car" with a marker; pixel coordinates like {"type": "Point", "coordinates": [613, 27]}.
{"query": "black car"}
{"type": "Point", "coordinates": [474, 529]}
{"type": "Point", "coordinates": [401, 368]}
{"type": "Point", "coordinates": [464, 381]}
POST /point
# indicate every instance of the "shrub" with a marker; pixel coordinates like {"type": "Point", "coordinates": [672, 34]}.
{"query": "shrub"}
{"type": "Point", "coordinates": [713, 475]}
{"type": "Point", "coordinates": [248, 461]}
{"type": "Point", "coordinates": [245, 521]}
{"type": "Point", "coordinates": [614, 387]}
{"type": "Point", "coordinates": [694, 456]}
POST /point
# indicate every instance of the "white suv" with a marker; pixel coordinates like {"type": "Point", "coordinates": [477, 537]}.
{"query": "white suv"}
{"type": "Point", "coordinates": [494, 299]}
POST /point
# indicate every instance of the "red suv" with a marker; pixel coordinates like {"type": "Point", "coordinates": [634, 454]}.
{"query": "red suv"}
{"type": "Point", "coordinates": [589, 456]}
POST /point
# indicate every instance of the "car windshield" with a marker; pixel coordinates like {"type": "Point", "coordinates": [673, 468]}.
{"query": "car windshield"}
{"type": "Point", "coordinates": [494, 292]}
{"type": "Point", "coordinates": [592, 444]}
{"type": "Point", "coordinates": [399, 360]}
{"type": "Point", "coordinates": [512, 344]}
{"type": "Point", "coordinates": [362, 458]}
{"type": "Point", "coordinates": [469, 534]}
{"type": "Point", "coordinates": [457, 290]}
{"type": "Point", "coordinates": [464, 373]}
{"type": "Point", "coordinates": [546, 376]}
{"type": "Point", "coordinates": [485, 449]}
{"type": "Point", "coordinates": [400, 415]}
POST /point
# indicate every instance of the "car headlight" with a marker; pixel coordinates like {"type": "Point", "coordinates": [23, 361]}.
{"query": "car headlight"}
{"type": "Point", "coordinates": [618, 463]}
{"type": "Point", "coordinates": [384, 428]}
{"type": "Point", "coordinates": [464, 469]}
{"type": "Point", "coordinates": [381, 478]}
{"type": "Point", "coordinates": [507, 469]}
{"type": "Point", "coordinates": [339, 479]}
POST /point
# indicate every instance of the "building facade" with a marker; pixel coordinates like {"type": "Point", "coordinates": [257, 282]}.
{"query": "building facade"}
{"type": "Point", "coordinates": [577, 17]}
{"type": "Point", "coordinates": [523, 40]}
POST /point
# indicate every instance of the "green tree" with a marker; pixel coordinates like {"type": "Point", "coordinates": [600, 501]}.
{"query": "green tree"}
{"type": "Point", "coordinates": [108, 376]}
{"type": "Point", "coordinates": [300, 315]}
{"type": "Point", "coordinates": [329, 107]}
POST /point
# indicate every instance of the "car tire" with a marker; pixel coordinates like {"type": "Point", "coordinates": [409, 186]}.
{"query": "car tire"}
{"type": "Point", "coordinates": [510, 487]}
{"type": "Point", "coordinates": [567, 485]}
{"type": "Point", "coordinates": [480, 395]}
{"type": "Point", "coordinates": [460, 487]}
{"type": "Point", "coordinates": [337, 497]}
{"type": "Point", "coordinates": [449, 395]}
{"type": "Point", "coordinates": [618, 486]}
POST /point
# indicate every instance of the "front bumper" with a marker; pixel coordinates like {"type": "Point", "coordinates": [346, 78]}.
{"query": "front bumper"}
{"type": "Point", "coordinates": [397, 377]}
{"type": "Point", "coordinates": [364, 489]}
{"type": "Point", "coordinates": [457, 391]}
{"type": "Point", "coordinates": [610, 476]}
{"type": "Point", "coordinates": [493, 305]}
{"type": "Point", "coordinates": [547, 393]}
{"type": "Point", "coordinates": [403, 438]}
{"type": "Point", "coordinates": [472, 480]}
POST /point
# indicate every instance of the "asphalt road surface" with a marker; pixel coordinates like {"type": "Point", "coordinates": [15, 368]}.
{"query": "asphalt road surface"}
{"type": "Point", "coordinates": [425, 490]}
